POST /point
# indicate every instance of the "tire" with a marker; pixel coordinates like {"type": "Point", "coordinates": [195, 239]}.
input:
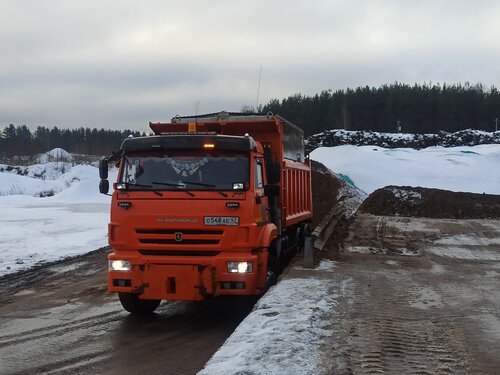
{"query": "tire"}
{"type": "Point", "coordinates": [303, 232]}
{"type": "Point", "coordinates": [272, 271]}
{"type": "Point", "coordinates": [136, 306]}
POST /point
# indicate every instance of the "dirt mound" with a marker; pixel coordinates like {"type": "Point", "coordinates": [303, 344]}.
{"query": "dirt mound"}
{"type": "Point", "coordinates": [431, 203]}
{"type": "Point", "coordinates": [325, 190]}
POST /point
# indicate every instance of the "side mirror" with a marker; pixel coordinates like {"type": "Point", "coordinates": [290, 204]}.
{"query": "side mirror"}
{"type": "Point", "coordinates": [104, 186]}
{"type": "Point", "coordinates": [103, 169]}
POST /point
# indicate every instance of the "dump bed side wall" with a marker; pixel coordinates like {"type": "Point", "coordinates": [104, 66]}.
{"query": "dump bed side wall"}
{"type": "Point", "coordinates": [295, 197]}
{"type": "Point", "coordinates": [296, 192]}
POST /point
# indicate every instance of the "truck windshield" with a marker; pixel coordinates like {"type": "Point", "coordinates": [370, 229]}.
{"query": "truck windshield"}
{"type": "Point", "coordinates": [186, 170]}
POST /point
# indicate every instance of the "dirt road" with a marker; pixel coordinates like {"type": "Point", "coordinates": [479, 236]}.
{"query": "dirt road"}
{"type": "Point", "coordinates": [60, 319]}
{"type": "Point", "coordinates": [418, 296]}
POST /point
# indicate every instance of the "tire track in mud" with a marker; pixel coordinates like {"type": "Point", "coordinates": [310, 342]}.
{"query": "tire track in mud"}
{"type": "Point", "coordinates": [69, 366]}
{"type": "Point", "coordinates": [59, 344]}
{"type": "Point", "coordinates": [421, 314]}
{"type": "Point", "coordinates": [180, 338]}
{"type": "Point", "coordinates": [404, 347]}
{"type": "Point", "coordinates": [385, 336]}
{"type": "Point", "coordinates": [173, 344]}
{"type": "Point", "coordinates": [59, 329]}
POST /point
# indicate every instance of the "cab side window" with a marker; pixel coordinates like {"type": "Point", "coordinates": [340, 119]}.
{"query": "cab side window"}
{"type": "Point", "coordinates": [259, 180]}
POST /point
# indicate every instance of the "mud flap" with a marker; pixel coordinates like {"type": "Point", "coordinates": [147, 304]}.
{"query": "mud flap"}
{"type": "Point", "coordinates": [212, 290]}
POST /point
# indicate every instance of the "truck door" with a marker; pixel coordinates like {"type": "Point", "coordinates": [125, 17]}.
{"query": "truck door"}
{"type": "Point", "coordinates": [261, 203]}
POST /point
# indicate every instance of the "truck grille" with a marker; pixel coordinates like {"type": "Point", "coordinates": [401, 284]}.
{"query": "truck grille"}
{"type": "Point", "coordinates": [180, 253]}
{"type": "Point", "coordinates": [162, 241]}
{"type": "Point", "coordinates": [183, 231]}
{"type": "Point", "coordinates": [179, 237]}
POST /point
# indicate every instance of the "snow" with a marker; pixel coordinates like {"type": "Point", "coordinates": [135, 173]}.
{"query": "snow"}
{"type": "Point", "coordinates": [468, 169]}
{"type": "Point", "coordinates": [70, 219]}
{"type": "Point", "coordinates": [54, 182]}
{"type": "Point", "coordinates": [462, 252]}
{"type": "Point", "coordinates": [37, 230]}
{"type": "Point", "coordinates": [283, 334]}
{"type": "Point", "coordinates": [55, 154]}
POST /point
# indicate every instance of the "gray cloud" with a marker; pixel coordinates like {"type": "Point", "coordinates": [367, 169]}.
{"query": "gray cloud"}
{"type": "Point", "coordinates": [122, 63]}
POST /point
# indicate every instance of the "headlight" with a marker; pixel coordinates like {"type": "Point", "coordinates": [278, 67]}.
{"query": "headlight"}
{"type": "Point", "coordinates": [119, 265]}
{"type": "Point", "coordinates": [239, 267]}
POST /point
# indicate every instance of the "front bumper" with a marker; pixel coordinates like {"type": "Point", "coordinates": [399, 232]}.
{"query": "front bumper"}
{"type": "Point", "coordinates": [188, 278]}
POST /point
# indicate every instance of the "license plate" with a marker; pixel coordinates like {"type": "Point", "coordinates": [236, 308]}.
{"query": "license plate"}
{"type": "Point", "coordinates": [222, 220]}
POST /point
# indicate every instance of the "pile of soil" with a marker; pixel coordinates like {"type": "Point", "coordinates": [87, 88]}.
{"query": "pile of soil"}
{"type": "Point", "coordinates": [325, 189]}
{"type": "Point", "coordinates": [431, 203]}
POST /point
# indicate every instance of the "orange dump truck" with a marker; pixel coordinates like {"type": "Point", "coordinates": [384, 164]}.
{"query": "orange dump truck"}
{"type": "Point", "coordinates": [210, 205]}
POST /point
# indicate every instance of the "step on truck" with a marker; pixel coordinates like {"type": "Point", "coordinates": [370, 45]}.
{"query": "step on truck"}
{"type": "Point", "coordinates": [210, 205]}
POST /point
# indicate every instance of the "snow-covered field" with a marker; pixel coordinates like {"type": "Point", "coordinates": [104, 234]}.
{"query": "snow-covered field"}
{"type": "Point", "coordinates": [36, 228]}
{"type": "Point", "coordinates": [468, 169]}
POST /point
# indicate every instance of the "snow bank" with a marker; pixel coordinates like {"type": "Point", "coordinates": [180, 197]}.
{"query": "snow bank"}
{"type": "Point", "coordinates": [56, 154]}
{"type": "Point", "coordinates": [467, 169]}
{"type": "Point", "coordinates": [70, 220]}
{"type": "Point", "coordinates": [284, 333]}
{"type": "Point", "coordinates": [45, 180]}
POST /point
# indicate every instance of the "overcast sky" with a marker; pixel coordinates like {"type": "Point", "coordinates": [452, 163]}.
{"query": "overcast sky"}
{"type": "Point", "coordinates": [121, 64]}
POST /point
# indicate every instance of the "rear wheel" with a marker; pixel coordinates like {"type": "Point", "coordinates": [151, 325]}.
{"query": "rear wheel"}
{"type": "Point", "coordinates": [136, 306]}
{"type": "Point", "coordinates": [302, 233]}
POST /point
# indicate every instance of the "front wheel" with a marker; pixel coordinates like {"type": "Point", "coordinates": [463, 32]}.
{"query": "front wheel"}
{"type": "Point", "coordinates": [136, 306]}
{"type": "Point", "coordinates": [272, 271]}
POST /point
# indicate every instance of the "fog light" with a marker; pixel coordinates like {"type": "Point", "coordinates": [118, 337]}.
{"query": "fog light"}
{"type": "Point", "coordinates": [119, 265]}
{"type": "Point", "coordinates": [239, 267]}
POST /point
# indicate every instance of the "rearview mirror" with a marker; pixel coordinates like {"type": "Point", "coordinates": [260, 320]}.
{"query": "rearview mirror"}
{"type": "Point", "coordinates": [104, 186]}
{"type": "Point", "coordinates": [103, 169]}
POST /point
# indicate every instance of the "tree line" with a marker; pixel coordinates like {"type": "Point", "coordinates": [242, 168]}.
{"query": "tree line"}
{"type": "Point", "coordinates": [20, 140]}
{"type": "Point", "coordinates": [419, 109]}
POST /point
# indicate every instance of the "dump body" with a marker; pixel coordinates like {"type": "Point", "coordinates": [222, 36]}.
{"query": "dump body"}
{"type": "Point", "coordinates": [207, 206]}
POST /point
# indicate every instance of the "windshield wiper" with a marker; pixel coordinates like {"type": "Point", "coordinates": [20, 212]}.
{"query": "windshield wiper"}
{"type": "Point", "coordinates": [176, 185]}
{"type": "Point", "coordinates": [207, 185]}
{"type": "Point", "coordinates": [197, 183]}
{"type": "Point", "coordinates": [146, 186]}
{"type": "Point", "coordinates": [166, 184]}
